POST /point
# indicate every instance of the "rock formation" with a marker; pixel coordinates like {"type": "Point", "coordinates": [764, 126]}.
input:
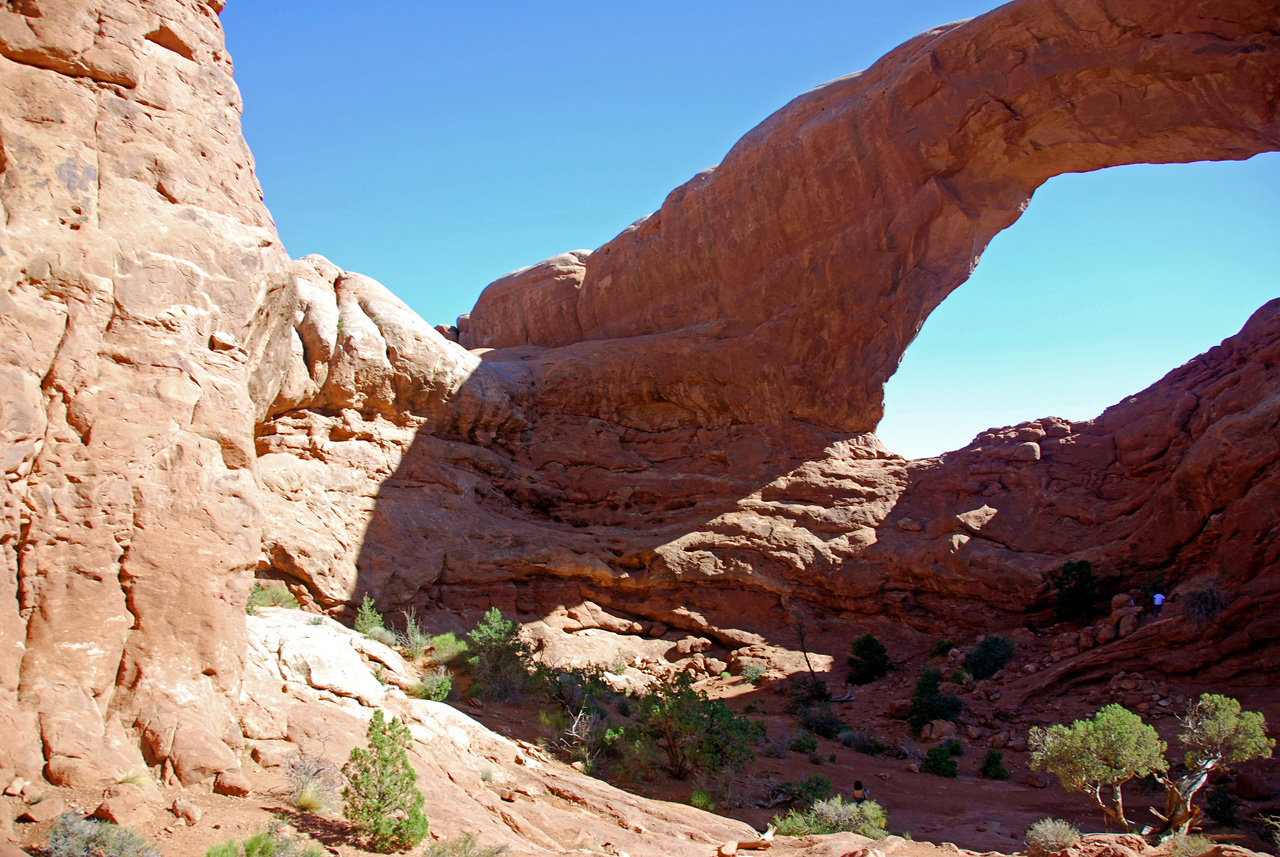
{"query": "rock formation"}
{"type": "Point", "coordinates": [677, 426]}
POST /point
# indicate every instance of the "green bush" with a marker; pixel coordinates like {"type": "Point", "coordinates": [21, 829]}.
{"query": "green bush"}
{"type": "Point", "coordinates": [988, 657]}
{"type": "Point", "coordinates": [835, 816]}
{"type": "Point", "coordinates": [447, 649]}
{"type": "Point", "coordinates": [939, 762]}
{"type": "Point", "coordinates": [941, 649]}
{"type": "Point", "coordinates": [993, 766]}
{"type": "Point", "coordinates": [803, 743]}
{"type": "Point", "coordinates": [868, 660]}
{"type": "Point", "coordinates": [691, 732]}
{"type": "Point", "coordinates": [75, 836]}
{"type": "Point", "coordinates": [805, 691]}
{"type": "Point", "coordinates": [500, 660]}
{"type": "Point", "coordinates": [702, 799]}
{"type": "Point", "coordinates": [1049, 835]}
{"type": "Point", "coordinates": [864, 742]}
{"type": "Point", "coordinates": [1221, 807]}
{"type": "Point", "coordinates": [434, 686]}
{"type": "Point", "coordinates": [752, 673]}
{"type": "Point", "coordinates": [368, 619]}
{"type": "Point", "coordinates": [928, 703]}
{"type": "Point", "coordinates": [270, 596]}
{"type": "Point", "coordinates": [266, 843]}
{"type": "Point", "coordinates": [801, 794]}
{"type": "Point", "coordinates": [382, 798]}
{"type": "Point", "coordinates": [821, 720]}
{"type": "Point", "coordinates": [1077, 592]}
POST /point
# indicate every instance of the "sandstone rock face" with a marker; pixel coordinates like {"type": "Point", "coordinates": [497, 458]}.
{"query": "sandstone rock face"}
{"type": "Point", "coordinates": [144, 323]}
{"type": "Point", "coordinates": [676, 428]}
{"type": "Point", "coordinates": [819, 245]}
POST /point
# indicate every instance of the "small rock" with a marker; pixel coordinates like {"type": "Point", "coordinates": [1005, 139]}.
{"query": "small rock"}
{"type": "Point", "coordinates": [232, 784]}
{"type": "Point", "coordinates": [1105, 635]}
{"type": "Point", "coordinates": [578, 766]}
{"type": "Point", "coordinates": [46, 810]}
{"type": "Point", "coordinates": [658, 629]}
{"type": "Point", "coordinates": [15, 788]}
{"type": "Point", "coordinates": [909, 525]}
{"type": "Point", "coordinates": [1000, 740]}
{"type": "Point", "coordinates": [187, 811]}
{"type": "Point", "coordinates": [1018, 745]}
{"type": "Point", "coordinates": [124, 804]}
{"type": "Point", "coordinates": [913, 768]}
{"type": "Point", "coordinates": [1128, 624]}
{"type": "Point", "coordinates": [1037, 780]}
{"type": "Point", "coordinates": [728, 849]}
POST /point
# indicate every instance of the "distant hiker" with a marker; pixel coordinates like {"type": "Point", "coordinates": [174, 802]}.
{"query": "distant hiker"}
{"type": "Point", "coordinates": [859, 793]}
{"type": "Point", "coordinates": [1158, 598]}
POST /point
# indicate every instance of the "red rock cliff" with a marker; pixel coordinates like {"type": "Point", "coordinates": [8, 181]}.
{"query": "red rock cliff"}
{"type": "Point", "coordinates": [678, 424]}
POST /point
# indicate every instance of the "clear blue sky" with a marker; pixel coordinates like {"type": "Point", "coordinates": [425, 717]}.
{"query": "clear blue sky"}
{"type": "Point", "coordinates": [435, 146]}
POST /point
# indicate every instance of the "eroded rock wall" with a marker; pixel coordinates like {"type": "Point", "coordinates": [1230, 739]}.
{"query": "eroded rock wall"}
{"type": "Point", "coordinates": [676, 426]}
{"type": "Point", "coordinates": [144, 314]}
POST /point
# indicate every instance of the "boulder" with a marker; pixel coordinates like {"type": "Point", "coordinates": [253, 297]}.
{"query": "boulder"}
{"type": "Point", "coordinates": [232, 784]}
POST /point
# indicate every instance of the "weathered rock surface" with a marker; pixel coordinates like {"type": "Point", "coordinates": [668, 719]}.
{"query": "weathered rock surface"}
{"type": "Point", "coordinates": [675, 427]}
{"type": "Point", "coordinates": [144, 323]}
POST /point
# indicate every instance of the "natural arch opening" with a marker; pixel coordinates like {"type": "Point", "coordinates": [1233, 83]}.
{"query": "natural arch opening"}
{"type": "Point", "coordinates": [1109, 280]}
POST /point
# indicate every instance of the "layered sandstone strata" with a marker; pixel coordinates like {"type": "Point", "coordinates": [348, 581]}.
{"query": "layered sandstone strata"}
{"type": "Point", "coordinates": [677, 425]}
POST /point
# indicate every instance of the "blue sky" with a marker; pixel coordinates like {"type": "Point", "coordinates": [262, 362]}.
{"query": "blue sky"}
{"type": "Point", "coordinates": [437, 146]}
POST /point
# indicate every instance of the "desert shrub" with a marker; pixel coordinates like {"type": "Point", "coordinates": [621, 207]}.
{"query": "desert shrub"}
{"type": "Point", "coordinates": [618, 666]}
{"type": "Point", "coordinates": [500, 660]}
{"type": "Point", "coordinates": [929, 703]}
{"type": "Point", "coordinates": [868, 660]}
{"type": "Point", "coordinates": [1221, 806]}
{"type": "Point", "coordinates": [1204, 604]}
{"type": "Point", "coordinates": [941, 649]}
{"type": "Point", "coordinates": [804, 691]}
{"type": "Point", "coordinates": [73, 835]}
{"type": "Point", "coordinates": [752, 673]}
{"type": "Point", "coordinates": [141, 777]}
{"type": "Point", "coordinates": [800, 794]}
{"type": "Point", "coordinates": [803, 743]}
{"type": "Point", "coordinates": [447, 649]}
{"type": "Point", "coordinates": [266, 843]}
{"type": "Point", "coordinates": [939, 762]}
{"type": "Point", "coordinates": [1100, 755]}
{"type": "Point", "coordinates": [463, 846]}
{"type": "Point", "coordinates": [1271, 829]}
{"type": "Point", "coordinates": [1049, 835]}
{"type": "Point", "coordinates": [313, 780]}
{"type": "Point", "coordinates": [834, 815]}
{"type": "Point", "coordinates": [584, 736]}
{"type": "Point", "coordinates": [702, 799]}
{"type": "Point", "coordinates": [368, 619]}
{"type": "Point", "coordinates": [993, 766]}
{"type": "Point", "coordinates": [988, 657]}
{"type": "Point", "coordinates": [821, 720]}
{"type": "Point", "coordinates": [690, 731]}
{"type": "Point", "coordinates": [1077, 592]}
{"type": "Point", "coordinates": [414, 641]}
{"type": "Point", "coordinates": [382, 798]}
{"type": "Point", "coordinates": [572, 688]}
{"type": "Point", "coordinates": [1187, 845]}
{"type": "Point", "coordinates": [864, 742]}
{"type": "Point", "coordinates": [269, 596]}
{"type": "Point", "coordinates": [435, 686]}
